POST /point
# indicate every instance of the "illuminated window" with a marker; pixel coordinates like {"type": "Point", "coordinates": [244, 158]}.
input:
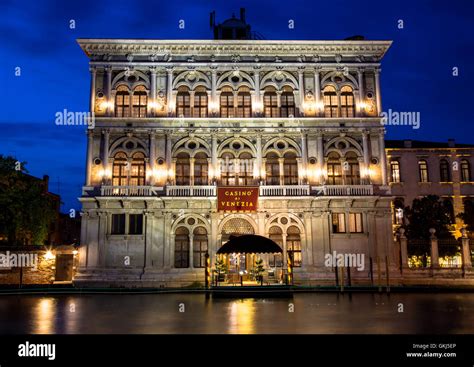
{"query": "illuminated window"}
{"type": "Point", "coordinates": [183, 175]}
{"type": "Point", "coordinates": [119, 170]}
{"type": "Point", "coordinates": [122, 102]}
{"type": "Point", "coordinates": [353, 171]}
{"type": "Point", "coordinates": [137, 171]}
{"type": "Point", "coordinates": [270, 103]}
{"type": "Point", "coordinates": [200, 103]}
{"type": "Point", "coordinates": [287, 101]}
{"type": "Point", "coordinates": [444, 171]}
{"type": "Point", "coordinates": [228, 169]}
{"type": "Point", "coordinates": [338, 223]}
{"type": "Point", "coordinates": [347, 102]}
{"type": "Point", "coordinates": [139, 101]}
{"type": "Point", "coordinates": [227, 102]}
{"type": "Point", "coordinates": [199, 247]}
{"type": "Point", "coordinates": [135, 224]}
{"type": "Point", "coordinates": [290, 169]}
{"type": "Point", "coordinates": [334, 170]}
{"type": "Point", "coordinates": [246, 169]}
{"type": "Point", "coordinates": [293, 244]}
{"type": "Point", "coordinates": [465, 171]}
{"type": "Point", "coordinates": [118, 224]}
{"type": "Point", "coordinates": [183, 103]}
{"type": "Point", "coordinates": [181, 248]}
{"type": "Point", "coordinates": [330, 102]}
{"type": "Point", "coordinates": [200, 169]}
{"type": "Point", "coordinates": [276, 235]}
{"type": "Point", "coordinates": [272, 168]}
{"type": "Point", "coordinates": [355, 223]}
{"type": "Point", "coordinates": [423, 171]}
{"type": "Point", "coordinates": [395, 171]}
{"type": "Point", "coordinates": [398, 210]}
{"type": "Point", "coordinates": [244, 103]}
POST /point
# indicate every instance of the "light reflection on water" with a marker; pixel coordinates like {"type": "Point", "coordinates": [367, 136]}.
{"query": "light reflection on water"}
{"type": "Point", "coordinates": [326, 313]}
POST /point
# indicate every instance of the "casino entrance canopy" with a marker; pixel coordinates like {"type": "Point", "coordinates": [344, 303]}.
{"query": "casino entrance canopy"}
{"type": "Point", "coordinates": [249, 244]}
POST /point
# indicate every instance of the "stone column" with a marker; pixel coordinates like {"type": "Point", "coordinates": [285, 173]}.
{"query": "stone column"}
{"type": "Point", "coordinates": [360, 75]}
{"type": "Point", "coordinates": [259, 156]}
{"type": "Point", "coordinates": [317, 91]}
{"type": "Point", "coordinates": [148, 238]}
{"type": "Point", "coordinates": [153, 90]}
{"type": "Point", "coordinates": [258, 100]}
{"type": "Point", "coordinates": [105, 157]}
{"type": "Point", "coordinates": [281, 168]}
{"type": "Point", "coordinates": [168, 155]}
{"type": "Point", "coordinates": [320, 158]}
{"type": "Point", "coordinates": [378, 95]}
{"type": "Point", "coordinates": [152, 157]}
{"type": "Point", "coordinates": [403, 248]}
{"type": "Point", "coordinates": [215, 167]}
{"type": "Point", "coordinates": [301, 90]}
{"type": "Point", "coordinates": [92, 96]}
{"type": "Point", "coordinates": [191, 171]}
{"type": "Point", "coordinates": [465, 251]}
{"type": "Point", "coordinates": [108, 84]}
{"type": "Point", "coordinates": [304, 155]}
{"type": "Point", "coordinates": [434, 249]}
{"type": "Point", "coordinates": [213, 86]}
{"type": "Point", "coordinates": [383, 159]}
{"type": "Point", "coordinates": [90, 143]}
{"type": "Point", "coordinates": [365, 147]}
{"type": "Point", "coordinates": [169, 90]}
{"type": "Point", "coordinates": [191, 257]}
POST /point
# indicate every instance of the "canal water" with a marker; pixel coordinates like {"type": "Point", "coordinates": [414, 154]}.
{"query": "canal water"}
{"type": "Point", "coordinates": [326, 313]}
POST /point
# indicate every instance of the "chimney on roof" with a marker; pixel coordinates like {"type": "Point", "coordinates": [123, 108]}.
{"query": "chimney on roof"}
{"type": "Point", "coordinates": [242, 14]}
{"type": "Point", "coordinates": [407, 143]}
{"type": "Point", "coordinates": [451, 143]}
{"type": "Point", "coordinates": [46, 183]}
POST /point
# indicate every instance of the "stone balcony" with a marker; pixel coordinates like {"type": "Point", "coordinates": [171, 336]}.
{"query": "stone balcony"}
{"type": "Point", "coordinates": [211, 191]}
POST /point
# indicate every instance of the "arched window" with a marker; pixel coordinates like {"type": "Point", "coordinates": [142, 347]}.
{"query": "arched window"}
{"type": "Point", "coordinates": [183, 102]}
{"type": "Point", "coordinates": [352, 172]}
{"type": "Point", "coordinates": [139, 101]}
{"type": "Point", "coordinates": [270, 103]}
{"type": "Point", "coordinates": [423, 171]}
{"type": "Point", "coordinates": [330, 102]}
{"type": "Point", "coordinates": [199, 247]}
{"type": "Point", "coordinates": [227, 102]}
{"type": "Point", "coordinates": [395, 171]}
{"type": "Point", "coordinates": [287, 102]}
{"type": "Point", "coordinates": [244, 103]}
{"type": "Point", "coordinates": [347, 102]}
{"type": "Point", "coordinates": [183, 169]}
{"type": "Point", "coordinates": [181, 248]}
{"type": "Point", "coordinates": [122, 102]}
{"type": "Point", "coordinates": [334, 170]}
{"type": "Point", "coordinates": [137, 171]}
{"type": "Point", "coordinates": [272, 169]}
{"type": "Point", "coordinates": [200, 103]}
{"type": "Point", "coordinates": [200, 169]}
{"type": "Point", "coordinates": [245, 169]}
{"type": "Point", "coordinates": [290, 169]}
{"type": "Point", "coordinates": [293, 244]}
{"type": "Point", "coordinates": [465, 171]}
{"type": "Point", "coordinates": [119, 170]}
{"type": "Point", "coordinates": [444, 171]}
{"type": "Point", "coordinates": [276, 235]}
{"type": "Point", "coordinates": [228, 169]}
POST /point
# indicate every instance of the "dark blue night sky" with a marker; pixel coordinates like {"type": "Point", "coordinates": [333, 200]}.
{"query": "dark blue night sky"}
{"type": "Point", "coordinates": [35, 36]}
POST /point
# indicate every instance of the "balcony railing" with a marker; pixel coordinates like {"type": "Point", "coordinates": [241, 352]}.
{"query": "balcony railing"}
{"type": "Point", "coordinates": [211, 190]}
{"type": "Point", "coordinates": [344, 190]}
{"type": "Point", "coordinates": [129, 190]}
{"type": "Point", "coordinates": [287, 190]}
{"type": "Point", "coordinates": [196, 191]}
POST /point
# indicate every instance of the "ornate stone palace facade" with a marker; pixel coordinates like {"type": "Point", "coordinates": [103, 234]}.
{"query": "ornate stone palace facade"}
{"type": "Point", "coordinates": [180, 122]}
